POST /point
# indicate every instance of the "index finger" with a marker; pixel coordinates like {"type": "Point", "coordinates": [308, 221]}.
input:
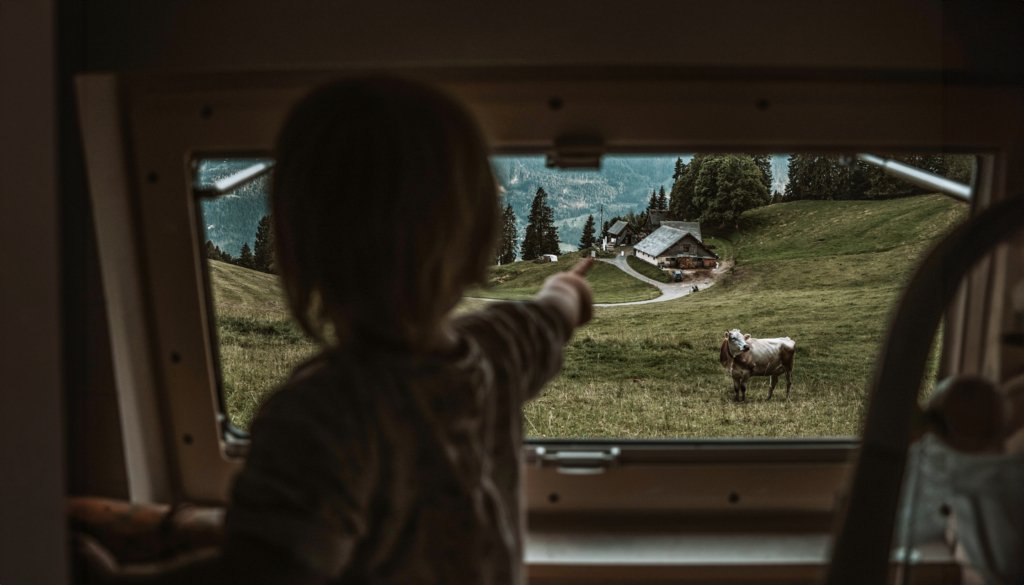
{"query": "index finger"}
{"type": "Point", "coordinates": [582, 267]}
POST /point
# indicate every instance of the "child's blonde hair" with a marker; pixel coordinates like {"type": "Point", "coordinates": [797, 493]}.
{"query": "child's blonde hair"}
{"type": "Point", "coordinates": [384, 210]}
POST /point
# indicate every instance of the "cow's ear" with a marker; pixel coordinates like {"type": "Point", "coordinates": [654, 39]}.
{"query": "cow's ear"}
{"type": "Point", "coordinates": [747, 336]}
{"type": "Point", "coordinates": [727, 335]}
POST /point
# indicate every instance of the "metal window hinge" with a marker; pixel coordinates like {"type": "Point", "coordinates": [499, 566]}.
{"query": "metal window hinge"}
{"type": "Point", "coordinates": [574, 461]}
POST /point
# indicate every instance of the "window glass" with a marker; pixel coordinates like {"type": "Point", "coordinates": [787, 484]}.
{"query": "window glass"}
{"type": "Point", "coordinates": [258, 342]}
{"type": "Point", "coordinates": [802, 246]}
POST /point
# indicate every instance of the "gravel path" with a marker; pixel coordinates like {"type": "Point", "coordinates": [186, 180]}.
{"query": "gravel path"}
{"type": "Point", "coordinates": [669, 290]}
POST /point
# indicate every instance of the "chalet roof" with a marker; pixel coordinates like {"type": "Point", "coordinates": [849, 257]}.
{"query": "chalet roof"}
{"type": "Point", "coordinates": [687, 226]}
{"type": "Point", "coordinates": [617, 228]}
{"type": "Point", "coordinates": [665, 237]}
{"type": "Point", "coordinates": [660, 240]}
{"type": "Point", "coordinates": [656, 217]}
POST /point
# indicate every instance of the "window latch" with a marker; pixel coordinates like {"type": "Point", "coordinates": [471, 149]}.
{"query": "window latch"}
{"type": "Point", "coordinates": [575, 461]}
{"type": "Point", "coordinates": [576, 152]}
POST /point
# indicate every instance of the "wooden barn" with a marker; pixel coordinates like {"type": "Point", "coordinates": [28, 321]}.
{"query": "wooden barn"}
{"type": "Point", "coordinates": [620, 233]}
{"type": "Point", "coordinates": [676, 247]}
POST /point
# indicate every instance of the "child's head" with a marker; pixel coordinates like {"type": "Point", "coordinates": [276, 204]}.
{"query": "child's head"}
{"type": "Point", "coordinates": [384, 210]}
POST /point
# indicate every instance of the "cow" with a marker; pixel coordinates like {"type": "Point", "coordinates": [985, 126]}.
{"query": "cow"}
{"type": "Point", "coordinates": [746, 356]}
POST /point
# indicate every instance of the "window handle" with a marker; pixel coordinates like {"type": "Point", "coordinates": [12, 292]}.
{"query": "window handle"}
{"type": "Point", "coordinates": [575, 461]}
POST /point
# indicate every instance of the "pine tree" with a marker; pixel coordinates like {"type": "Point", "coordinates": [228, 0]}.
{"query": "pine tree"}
{"type": "Point", "coordinates": [588, 240]}
{"type": "Point", "coordinates": [652, 203]}
{"type": "Point", "coordinates": [727, 186]}
{"type": "Point", "coordinates": [551, 239]}
{"type": "Point", "coordinates": [682, 191]}
{"type": "Point", "coordinates": [245, 257]}
{"type": "Point", "coordinates": [813, 176]}
{"type": "Point", "coordinates": [263, 247]}
{"type": "Point", "coordinates": [509, 235]}
{"type": "Point", "coordinates": [541, 236]}
{"type": "Point", "coordinates": [213, 252]}
{"type": "Point", "coordinates": [676, 200]}
{"type": "Point", "coordinates": [662, 198]}
{"type": "Point", "coordinates": [883, 186]}
{"type": "Point", "coordinates": [764, 164]}
{"type": "Point", "coordinates": [679, 170]}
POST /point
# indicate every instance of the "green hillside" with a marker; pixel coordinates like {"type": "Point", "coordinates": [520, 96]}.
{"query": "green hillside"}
{"type": "Point", "coordinates": [522, 280]}
{"type": "Point", "coordinates": [824, 273]}
{"type": "Point", "coordinates": [259, 344]}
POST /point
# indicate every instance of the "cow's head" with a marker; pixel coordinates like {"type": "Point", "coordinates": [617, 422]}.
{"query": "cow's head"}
{"type": "Point", "coordinates": [737, 341]}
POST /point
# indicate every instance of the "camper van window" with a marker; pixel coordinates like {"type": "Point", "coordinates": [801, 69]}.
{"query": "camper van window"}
{"type": "Point", "coordinates": [803, 253]}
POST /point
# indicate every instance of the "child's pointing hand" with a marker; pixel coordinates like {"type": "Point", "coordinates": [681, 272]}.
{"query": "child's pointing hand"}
{"type": "Point", "coordinates": [570, 293]}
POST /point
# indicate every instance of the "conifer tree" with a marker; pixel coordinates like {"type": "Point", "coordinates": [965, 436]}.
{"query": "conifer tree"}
{"type": "Point", "coordinates": [662, 198]}
{"type": "Point", "coordinates": [813, 176]}
{"type": "Point", "coordinates": [727, 186]}
{"type": "Point", "coordinates": [676, 200]}
{"type": "Point", "coordinates": [551, 239]}
{"type": "Point", "coordinates": [509, 235]}
{"type": "Point", "coordinates": [682, 191]}
{"type": "Point", "coordinates": [245, 257]}
{"type": "Point", "coordinates": [213, 252]}
{"type": "Point", "coordinates": [588, 239]}
{"type": "Point", "coordinates": [541, 236]}
{"type": "Point", "coordinates": [764, 164]}
{"type": "Point", "coordinates": [652, 203]}
{"type": "Point", "coordinates": [263, 247]}
{"type": "Point", "coordinates": [679, 170]}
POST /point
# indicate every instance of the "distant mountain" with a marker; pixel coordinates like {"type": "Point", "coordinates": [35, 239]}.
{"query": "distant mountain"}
{"type": "Point", "coordinates": [230, 220]}
{"type": "Point", "coordinates": [623, 184]}
{"type": "Point", "coordinates": [780, 172]}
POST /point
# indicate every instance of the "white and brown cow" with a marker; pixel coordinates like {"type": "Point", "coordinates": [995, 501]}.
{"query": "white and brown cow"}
{"type": "Point", "coordinates": [746, 356]}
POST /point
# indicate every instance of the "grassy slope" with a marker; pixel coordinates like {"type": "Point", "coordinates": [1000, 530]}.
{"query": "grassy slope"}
{"type": "Point", "coordinates": [823, 273]}
{"type": "Point", "coordinates": [259, 344]}
{"type": "Point", "coordinates": [522, 280]}
{"type": "Point", "coordinates": [648, 270]}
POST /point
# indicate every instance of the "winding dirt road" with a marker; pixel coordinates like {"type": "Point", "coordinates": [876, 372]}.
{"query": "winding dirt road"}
{"type": "Point", "coordinates": [669, 291]}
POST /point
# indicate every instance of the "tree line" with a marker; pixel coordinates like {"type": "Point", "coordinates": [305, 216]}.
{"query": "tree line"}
{"type": "Point", "coordinates": [259, 257]}
{"type": "Point", "coordinates": [540, 237]}
{"type": "Point", "coordinates": [716, 189]}
{"type": "Point", "coordinates": [821, 176]}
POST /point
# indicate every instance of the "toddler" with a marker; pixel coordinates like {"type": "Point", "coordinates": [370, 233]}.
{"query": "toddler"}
{"type": "Point", "coordinates": [393, 456]}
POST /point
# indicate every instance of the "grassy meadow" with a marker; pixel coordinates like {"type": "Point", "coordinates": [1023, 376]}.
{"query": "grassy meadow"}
{"type": "Point", "coordinates": [521, 280]}
{"type": "Point", "coordinates": [824, 273]}
{"type": "Point", "coordinates": [259, 343]}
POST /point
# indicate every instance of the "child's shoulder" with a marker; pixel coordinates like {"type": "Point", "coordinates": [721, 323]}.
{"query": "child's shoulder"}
{"type": "Point", "coordinates": [324, 384]}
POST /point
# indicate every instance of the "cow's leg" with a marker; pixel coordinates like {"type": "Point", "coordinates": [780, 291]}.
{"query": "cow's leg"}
{"type": "Point", "coordinates": [736, 390]}
{"type": "Point", "coordinates": [743, 391]}
{"type": "Point", "coordinates": [771, 388]}
{"type": "Point", "coordinates": [789, 383]}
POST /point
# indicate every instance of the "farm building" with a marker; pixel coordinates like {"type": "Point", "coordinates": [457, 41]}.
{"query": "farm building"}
{"type": "Point", "coordinates": [673, 247]}
{"type": "Point", "coordinates": [687, 226]}
{"type": "Point", "coordinates": [620, 233]}
{"type": "Point", "coordinates": [652, 223]}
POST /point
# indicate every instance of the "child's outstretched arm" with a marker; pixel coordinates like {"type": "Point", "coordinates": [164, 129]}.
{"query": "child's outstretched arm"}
{"type": "Point", "coordinates": [569, 293]}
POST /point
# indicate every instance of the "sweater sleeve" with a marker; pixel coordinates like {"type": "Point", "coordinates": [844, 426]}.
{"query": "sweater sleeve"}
{"type": "Point", "coordinates": [524, 341]}
{"type": "Point", "coordinates": [308, 480]}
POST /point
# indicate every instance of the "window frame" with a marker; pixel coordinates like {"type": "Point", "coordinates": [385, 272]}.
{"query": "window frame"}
{"type": "Point", "coordinates": [150, 126]}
